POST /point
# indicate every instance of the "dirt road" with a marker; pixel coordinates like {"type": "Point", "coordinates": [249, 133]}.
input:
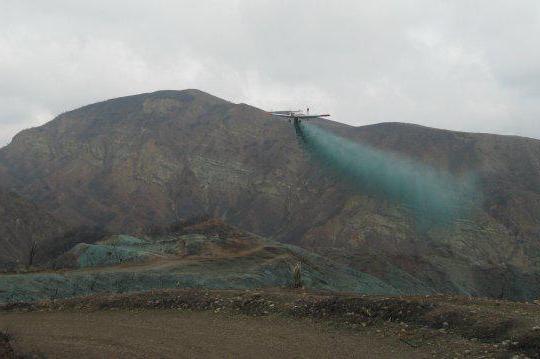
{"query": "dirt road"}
{"type": "Point", "coordinates": [182, 334]}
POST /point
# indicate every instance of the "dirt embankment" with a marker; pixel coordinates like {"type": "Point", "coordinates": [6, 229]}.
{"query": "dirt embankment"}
{"type": "Point", "coordinates": [445, 326]}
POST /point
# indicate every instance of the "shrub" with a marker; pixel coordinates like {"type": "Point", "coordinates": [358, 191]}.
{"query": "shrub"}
{"type": "Point", "coordinates": [297, 276]}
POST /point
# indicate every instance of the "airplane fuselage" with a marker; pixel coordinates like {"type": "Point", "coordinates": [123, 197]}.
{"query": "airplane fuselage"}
{"type": "Point", "coordinates": [297, 116]}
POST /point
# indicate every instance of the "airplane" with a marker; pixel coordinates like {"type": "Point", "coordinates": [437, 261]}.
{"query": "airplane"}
{"type": "Point", "coordinates": [297, 115]}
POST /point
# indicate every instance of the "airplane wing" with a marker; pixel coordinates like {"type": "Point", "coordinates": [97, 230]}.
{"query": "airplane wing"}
{"type": "Point", "coordinates": [286, 115]}
{"type": "Point", "coordinates": [297, 114]}
{"type": "Point", "coordinates": [313, 116]}
{"type": "Point", "coordinates": [285, 112]}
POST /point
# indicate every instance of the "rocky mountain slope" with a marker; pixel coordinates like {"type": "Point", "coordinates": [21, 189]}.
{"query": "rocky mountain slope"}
{"type": "Point", "coordinates": [152, 159]}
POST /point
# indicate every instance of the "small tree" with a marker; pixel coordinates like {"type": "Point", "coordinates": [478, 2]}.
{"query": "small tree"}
{"type": "Point", "coordinates": [32, 253]}
{"type": "Point", "coordinates": [297, 276]}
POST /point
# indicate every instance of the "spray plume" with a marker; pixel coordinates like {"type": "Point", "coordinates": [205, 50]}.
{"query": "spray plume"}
{"type": "Point", "coordinates": [433, 196]}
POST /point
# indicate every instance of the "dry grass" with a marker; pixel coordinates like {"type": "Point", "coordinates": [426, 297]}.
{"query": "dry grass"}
{"type": "Point", "coordinates": [297, 276]}
{"type": "Point", "coordinates": [6, 351]}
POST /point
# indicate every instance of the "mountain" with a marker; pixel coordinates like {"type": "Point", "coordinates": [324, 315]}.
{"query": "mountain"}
{"type": "Point", "coordinates": [371, 197]}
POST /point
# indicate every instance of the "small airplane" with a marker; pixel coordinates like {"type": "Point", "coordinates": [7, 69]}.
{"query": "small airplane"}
{"type": "Point", "coordinates": [297, 115]}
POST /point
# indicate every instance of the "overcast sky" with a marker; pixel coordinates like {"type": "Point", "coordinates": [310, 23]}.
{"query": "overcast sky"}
{"type": "Point", "coordinates": [456, 64]}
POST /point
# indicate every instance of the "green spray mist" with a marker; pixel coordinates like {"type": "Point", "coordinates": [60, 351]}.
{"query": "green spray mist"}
{"type": "Point", "coordinates": [434, 197]}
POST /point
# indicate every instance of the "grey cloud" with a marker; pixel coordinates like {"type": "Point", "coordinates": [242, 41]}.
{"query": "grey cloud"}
{"type": "Point", "coordinates": [462, 65]}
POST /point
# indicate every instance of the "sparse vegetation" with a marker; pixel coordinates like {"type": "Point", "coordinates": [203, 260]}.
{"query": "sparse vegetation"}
{"type": "Point", "coordinates": [5, 335]}
{"type": "Point", "coordinates": [297, 276]}
{"type": "Point", "coordinates": [6, 351]}
{"type": "Point", "coordinates": [32, 253]}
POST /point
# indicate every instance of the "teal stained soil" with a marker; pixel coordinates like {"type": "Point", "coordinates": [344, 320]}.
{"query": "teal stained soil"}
{"type": "Point", "coordinates": [128, 264]}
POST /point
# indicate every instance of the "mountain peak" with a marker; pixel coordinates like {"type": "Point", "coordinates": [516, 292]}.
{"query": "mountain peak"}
{"type": "Point", "coordinates": [133, 110]}
{"type": "Point", "coordinates": [178, 98]}
{"type": "Point", "coordinates": [185, 96]}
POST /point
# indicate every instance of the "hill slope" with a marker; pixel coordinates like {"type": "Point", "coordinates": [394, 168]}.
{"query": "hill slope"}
{"type": "Point", "coordinates": [24, 228]}
{"type": "Point", "coordinates": [155, 158]}
{"type": "Point", "coordinates": [207, 254]}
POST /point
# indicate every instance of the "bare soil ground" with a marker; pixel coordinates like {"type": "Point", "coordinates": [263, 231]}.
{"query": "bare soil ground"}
{"type": "Point", "coordinates": [173, 334]}
{"type": "Point", "coordinates": [273, 323]}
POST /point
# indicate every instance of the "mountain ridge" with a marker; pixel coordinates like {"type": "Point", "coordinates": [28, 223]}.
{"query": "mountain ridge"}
{"type": "Point", "coordinates": [158, 157]}
{"type": "Point", "coordinates": [416, 125]}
